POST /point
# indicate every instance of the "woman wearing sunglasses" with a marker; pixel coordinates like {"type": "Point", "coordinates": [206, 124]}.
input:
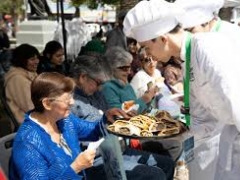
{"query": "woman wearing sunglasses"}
{"type": "Point", "coordinates": [148, 74]}
{"type": "Point", "coordinates": [118, 90]}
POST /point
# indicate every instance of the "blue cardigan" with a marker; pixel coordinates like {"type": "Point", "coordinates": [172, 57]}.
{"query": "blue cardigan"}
{"type": "Point", "coordinates": [35, 156]}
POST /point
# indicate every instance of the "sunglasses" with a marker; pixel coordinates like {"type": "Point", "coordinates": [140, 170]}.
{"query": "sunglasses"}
{"type": "Point", "coordinates": [148, 60]}
{"type": "Point", "coordinates": [124, 68]}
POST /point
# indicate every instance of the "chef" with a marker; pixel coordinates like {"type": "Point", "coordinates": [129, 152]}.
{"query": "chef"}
{"type": "Point", "coordinates": [201, 16]}
{"type": "Point", "coordinates": [213, 68]}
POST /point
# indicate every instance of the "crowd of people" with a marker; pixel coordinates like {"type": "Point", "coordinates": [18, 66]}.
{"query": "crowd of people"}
{"type": "Point", "coordinates": [157, 49]}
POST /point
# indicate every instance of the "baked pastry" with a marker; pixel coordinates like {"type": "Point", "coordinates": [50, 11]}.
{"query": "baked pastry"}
{"type": "Point", "coordinates": [139, 122]}
{"type": "Point", "coordinates": [163, 114]}
{"type": "Point", "coordinates": [111, 127]}
{"type": "Point", "coordinates": [146, 133]}
{"type": "Point", "coordinates": [149, 120]}
{"type": "Point", "coordinates": [157, 126]}
{"type": "Point", "coordinates": [121, 123]}
{"type": "Point", "coordinates": [170, 123]}
{"type": "Point", "coordinates": [169, 131]}
{"type": "Point", "coordinates": [128, 130]}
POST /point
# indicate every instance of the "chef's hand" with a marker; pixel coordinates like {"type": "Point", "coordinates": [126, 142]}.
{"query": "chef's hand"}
{"type": "Point", "coordinates": [112, 113]}
{"type": "Point", "coordinates": [84, 160]}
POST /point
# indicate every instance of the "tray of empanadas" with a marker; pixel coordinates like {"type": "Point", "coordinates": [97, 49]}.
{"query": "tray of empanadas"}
{"type": "Point", "coordinates": [159, 125]}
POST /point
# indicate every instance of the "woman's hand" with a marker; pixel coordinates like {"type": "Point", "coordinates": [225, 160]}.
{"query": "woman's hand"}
{"type": "Point", "coordinates": [84, 160]}
{"type": "Point", "coordinates": [149, 95]}
{"type": "Point", "coordinates": [132, 113]}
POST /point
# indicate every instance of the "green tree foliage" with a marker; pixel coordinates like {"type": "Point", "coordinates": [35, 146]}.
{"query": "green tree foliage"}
{"type": "Point", "coordinates": [77, 3]}
{"type": "Point", "coordinates": [10, 6]}
{"type": "Point", "coordinates": [93, 3]}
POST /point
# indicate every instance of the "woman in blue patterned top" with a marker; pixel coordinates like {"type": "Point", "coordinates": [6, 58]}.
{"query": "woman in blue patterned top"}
{"type": "Point", "coordinates": [47, 143]}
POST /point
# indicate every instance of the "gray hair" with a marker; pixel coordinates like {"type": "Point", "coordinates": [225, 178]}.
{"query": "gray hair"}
{"type": "Point", "coordinates": [117, 56]}
{"type": "Point", "coordinates": [92, 65]}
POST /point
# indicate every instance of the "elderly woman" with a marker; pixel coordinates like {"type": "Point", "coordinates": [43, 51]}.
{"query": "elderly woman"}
{"type": "Point", "coordinates": [148, 74]}
{"type": "Point", "coordinates": [89, 73]}
{"type": "Point", "coordinates": [47, 143]}
{"type": "Point", "coordinates": [19, 78]}
{"type": "Point", "coordinates": [118, 90]}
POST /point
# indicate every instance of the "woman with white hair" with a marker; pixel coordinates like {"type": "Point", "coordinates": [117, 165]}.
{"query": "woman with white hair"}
{"type": "Point", "coordinates": [118, 90]}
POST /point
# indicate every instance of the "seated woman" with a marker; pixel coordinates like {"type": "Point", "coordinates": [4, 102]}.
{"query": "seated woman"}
{"type": "Point", "coordinates": [18, 80]}
{"type": "Point", "coordinates": [47, 143]}
{"type": "Point", "coordinates": [52, 59]}
{"type": "Point", "coordinates": [118, 90]}
{"type": "Point", "coordinates": [172, 72]}
{"type": "Point", "coordinates": [89, 73]}
{"type": "Point", "coordinates": [148, 73]}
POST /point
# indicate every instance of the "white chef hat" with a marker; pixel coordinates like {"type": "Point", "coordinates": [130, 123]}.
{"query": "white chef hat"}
{"type": "Point", "coordinates": [198, 11]}
{"type": "Point", "coordinates": [150, 19]}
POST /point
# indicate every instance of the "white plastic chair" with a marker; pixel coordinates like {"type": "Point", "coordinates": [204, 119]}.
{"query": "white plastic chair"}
{"type": "Point", "coordinates": [6, 143]}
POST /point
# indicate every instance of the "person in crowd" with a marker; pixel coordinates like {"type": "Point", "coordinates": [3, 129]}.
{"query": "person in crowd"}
{"type": "Point", "coordinates": [172, 72]}
{"type": "Point", "coordinates": [47, 143]}
{"type": "Point", "coordinates": [5, 52]}
{"type": "Point", "coordinates": [93, 46]}
{"type": "Point", "coordinates": [5, 61]}
{"type": "Point", "coordinates": [133, 48]}
{"type": "Point", "coordinates": [4, 39]}
{"type": "Point", "coordinates": [148, 74]}
{"type": "Point", "coordinates": [200, 17]}
{"type": "Point", "coordinates": [18, 80]}
{"type": "Point", "coordinates": [118, 90]}
{"type": "Point", "coordinates": [52, 59]}
{"type": "Point", "coordinates": [116, 37]}
{"type": "Point", "coordinates": [213, 90]}
{"type": "Point", "coordinates": [89, 74]}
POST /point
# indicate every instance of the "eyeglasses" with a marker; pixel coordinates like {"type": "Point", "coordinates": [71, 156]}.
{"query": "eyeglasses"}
{"type": "Point", "coordinates": [65, 101]}
{"type": "Point", "coordinates": [149, 59]}
{"type": "Point", "coordinates": [98, 82]}
{"type": "Point", "coordinates": [124, 68]}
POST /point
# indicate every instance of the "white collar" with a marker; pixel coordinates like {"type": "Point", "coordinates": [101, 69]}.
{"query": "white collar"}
{"type": "Point", "coordinates": [183, 47]}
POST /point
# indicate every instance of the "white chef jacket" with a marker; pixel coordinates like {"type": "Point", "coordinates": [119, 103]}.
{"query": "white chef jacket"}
{"type": "Point", "coordinates": [229, 165]}
{"type": "Point", "coordinates": [214, 90]}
